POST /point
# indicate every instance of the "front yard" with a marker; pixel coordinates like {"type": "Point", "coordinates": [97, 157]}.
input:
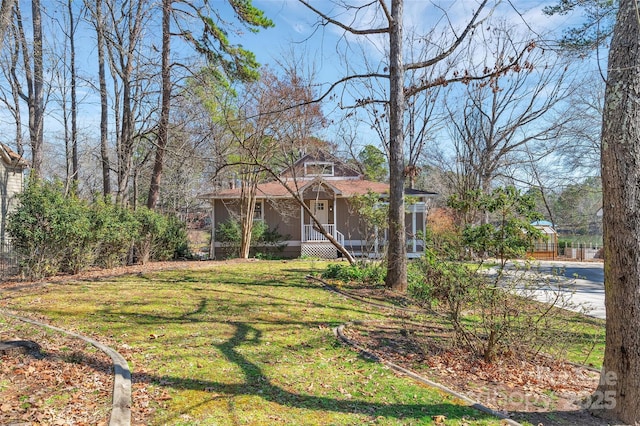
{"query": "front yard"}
{"type": "Point", "coordinates": [220, 343]}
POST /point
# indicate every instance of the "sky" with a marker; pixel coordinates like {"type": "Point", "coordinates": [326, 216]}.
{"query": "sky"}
{"type": "Point", "coordinates": [332, 54]}
{"type": "Point", "coordinates": [296, 26]}
{"type": "Point", "coordinates": [327, 50]}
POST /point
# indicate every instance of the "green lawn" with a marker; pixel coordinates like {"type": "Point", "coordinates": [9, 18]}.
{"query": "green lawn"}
{"type": "Point", "coordinates": [240, 343]}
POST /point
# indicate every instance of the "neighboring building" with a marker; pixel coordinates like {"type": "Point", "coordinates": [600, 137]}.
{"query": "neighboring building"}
{"type": "Point", "coordinates": [327, 186]}
{"type": "Point", "coordinates": [12, 168]}
{"type": "Point", "coordinates": [545, 248]}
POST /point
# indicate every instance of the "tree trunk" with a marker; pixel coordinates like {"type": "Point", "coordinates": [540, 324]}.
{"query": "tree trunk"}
{"type": "Point", "coordinates": [619, 390]}
{"type": "Point", "coordinates": [163, 125]}
{"type": "Point", "coordinates": [247, 210]}
{"type": "Point", "coordinates": [36, 119]}
{"type": "Point", "coordinates": [6, 8]}
{"type": "Point", "coordinates": [104, 105]}
{"type": "Point", "coordinates": [15, 92]}
{"type": "Point", "coordinates": [34, 79]}
{"type": "Point", "coordinates": [397, 256]}
{"type": "Point", "coordinates": [74, 101]}
{"type": "Point", "coordinates": [125, 150]}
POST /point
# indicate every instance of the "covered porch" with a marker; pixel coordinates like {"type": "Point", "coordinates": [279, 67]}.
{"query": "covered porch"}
{"type": "Point", "coordinates": [313, 241]}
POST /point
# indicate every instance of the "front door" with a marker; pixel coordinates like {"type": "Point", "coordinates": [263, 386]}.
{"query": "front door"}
{"type": "Point", "coordinates": [320, 210]}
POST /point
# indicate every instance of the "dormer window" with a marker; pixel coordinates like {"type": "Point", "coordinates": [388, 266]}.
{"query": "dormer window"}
{"type": "Point", "coordinates": [318, 168]}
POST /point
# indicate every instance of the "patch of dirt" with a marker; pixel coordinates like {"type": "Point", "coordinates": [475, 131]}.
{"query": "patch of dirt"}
{"type": "Point", "coordinates": [541, 391]}
{"type": "Point", "coordinates": [64, 382]}
{"type": "Point", "coordinates": [68, 381]}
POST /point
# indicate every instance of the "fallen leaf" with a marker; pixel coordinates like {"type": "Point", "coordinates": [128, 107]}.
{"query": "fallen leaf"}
{"type": "Point", "coordinates": [439, 420]}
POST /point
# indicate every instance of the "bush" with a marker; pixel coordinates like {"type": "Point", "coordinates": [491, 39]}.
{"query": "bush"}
{"type": "Point", "coordinates": [50, 231]}
{"type": "Point", "coordinates": [53, 232]}
{"type": "Point", "coordinates": [368, 273]}
{"type": "Point", "coordinates": [448, 283]}
{"type": "Point", "coordinates": [491, 313]}
{"type": "Point", "coordinates": [159, 237]}
{"type": "Point", "coordinates": [262, 237]}
{"type": "Point", "coordinates": [117, 230]}
{"type": "Point", "coordinates": [173, 243]}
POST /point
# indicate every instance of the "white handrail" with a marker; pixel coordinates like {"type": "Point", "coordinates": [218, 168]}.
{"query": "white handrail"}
{"type": "Point", "coordinates": [313, 234]}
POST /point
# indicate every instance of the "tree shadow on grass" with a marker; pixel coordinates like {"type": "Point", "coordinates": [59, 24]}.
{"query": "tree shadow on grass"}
{"type": "Point", "coordinates": [258, 384]}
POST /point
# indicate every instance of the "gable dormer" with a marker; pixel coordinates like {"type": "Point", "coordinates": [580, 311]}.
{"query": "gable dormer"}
{"type": "Point", "coordinates": [319, 169]}
{"type": "Point", "coordinates": [321, 165]}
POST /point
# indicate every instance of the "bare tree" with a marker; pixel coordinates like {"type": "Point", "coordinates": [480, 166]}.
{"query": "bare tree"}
{"type": "Point", "coordinates": [33, 67]}
{"type": "Point", "coordinates": [389, 24]}
{"type": "Point", "coordinates": [165, 105]}
{"type": "Point", "coordinates": [95, 9]}
{"type": "Point", "coordinates": [580, 147]}
{"type": "Point", "coordinates": [63, 56]}
{"type": "Point", "coordinates": [125, 22]}
{"type": "Point", "coordinates": [271, 130]}
{"type": "Point", "coordinates": [508, 118]}
{"type": "Point", "coordinates": [12, 98]}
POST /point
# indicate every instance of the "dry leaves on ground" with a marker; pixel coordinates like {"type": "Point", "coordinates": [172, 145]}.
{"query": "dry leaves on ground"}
{"type": "Point", "coordinates": [64, 383]}
{"type": "Point", "coordinates": [540, 390]}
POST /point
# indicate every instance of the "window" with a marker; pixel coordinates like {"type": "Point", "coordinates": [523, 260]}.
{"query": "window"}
{"type": "Point", "coordinates": [318, 169]}
{"type": "Point", "coordinates": [258, 211]}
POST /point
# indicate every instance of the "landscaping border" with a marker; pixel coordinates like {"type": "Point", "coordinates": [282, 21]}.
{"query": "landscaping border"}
{"type": "Point", "coordinates": [338, 332]}
{"type": "Point", "coordinates": [121, 402]}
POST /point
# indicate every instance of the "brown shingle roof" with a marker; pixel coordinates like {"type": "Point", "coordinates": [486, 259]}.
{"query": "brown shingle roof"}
{"type": "Point", "coordinates": [344, 188]}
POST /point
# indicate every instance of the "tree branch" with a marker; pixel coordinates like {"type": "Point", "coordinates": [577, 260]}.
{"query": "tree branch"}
{"type": "Point", "coordinates": [347, 28]}
{"type": "Point", "coordinates": [470, 27]}
{"type": "Point", "coordinates": [466, 78]}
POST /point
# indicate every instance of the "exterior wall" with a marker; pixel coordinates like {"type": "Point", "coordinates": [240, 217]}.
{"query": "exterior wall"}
{"type": "Point", "coordinates": [11, 184]}
{"type": "Point", "coordinates": [349, 222]}
{"type": "Point", "coordinates": [339, 168]}
{"type": "Point", "coordinates": [420, 218]}
{"type": "Point", "coordinates": [283, 214]}
{"type": "Point", "coordinates": [224, 210]}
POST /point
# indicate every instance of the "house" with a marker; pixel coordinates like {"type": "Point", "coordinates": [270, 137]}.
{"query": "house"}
{"type": "Point", "coordinates": [12, 167]}
{"type": "Point", "coordinates": [327, 186]}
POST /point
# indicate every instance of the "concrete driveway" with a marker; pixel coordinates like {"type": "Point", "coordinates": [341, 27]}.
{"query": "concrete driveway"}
{"type": "Point", "coordinates": [588, 285]}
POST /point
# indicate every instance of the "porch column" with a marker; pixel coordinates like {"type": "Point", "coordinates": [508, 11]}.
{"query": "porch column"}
{"type": "Point", "coordinates": [424, 227]}
{"type": "Point", "coordinates": [413, 228]}
{"type": "Point", "coordinates": [302, 223]}
{"type": "Point", "coordinates": [335, 222]}
{"type": "Point", "coordinates": [377, 242]}
{"type": "Point", "coordinates": [212, 245]}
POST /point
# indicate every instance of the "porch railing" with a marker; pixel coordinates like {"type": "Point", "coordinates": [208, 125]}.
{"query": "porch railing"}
{"type": "Point", "coordinates": [311, 234]}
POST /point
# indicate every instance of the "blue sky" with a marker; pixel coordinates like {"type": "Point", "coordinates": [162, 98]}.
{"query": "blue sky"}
{"type": "Point", "coordinates": [295, 25]}
{"type": "Point", "coordinates": [330, 52]}
{"type": "Point", "coordinates": [326, 49]}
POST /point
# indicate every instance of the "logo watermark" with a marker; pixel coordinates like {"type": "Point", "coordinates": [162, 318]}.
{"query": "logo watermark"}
{"type": "Point", "coordinates": [599, 399]}
{"type": "Point", "coordinates": [546, 401]}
